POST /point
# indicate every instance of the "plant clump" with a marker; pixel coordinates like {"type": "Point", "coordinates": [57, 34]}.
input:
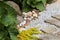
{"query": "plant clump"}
{"type": "Point", "coordinates": [28, 34]}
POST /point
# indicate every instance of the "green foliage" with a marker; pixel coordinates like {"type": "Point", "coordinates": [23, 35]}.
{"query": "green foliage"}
{"type": "Point", "coordinates": [28, 5]}
{"type": "Point", "coordinates": [8, 15]}
{"type": "Point", "coordinates": [8, 22]}
{"type": "Point", "coordinates": [51, 1]}
{"type": "Point", "coordinates": [31, 4]}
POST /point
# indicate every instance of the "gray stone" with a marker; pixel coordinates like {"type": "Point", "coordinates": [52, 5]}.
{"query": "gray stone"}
{"type": "Point", "coordinates": [50, 37]}
{"type": "Point", "coordinates": [49, 29]}
{"type": "Point", "coordinates": [56, 17]}
{"type": "Point", "coordinates": [53, 22]}
{"type": "Point", "coordinates": [20, 19]}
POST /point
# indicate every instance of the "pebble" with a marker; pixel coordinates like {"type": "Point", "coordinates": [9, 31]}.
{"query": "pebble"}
{"type": "Point", "coordinates": [35, 15]}
{"type": "Point", "coordinates": [25, 18]}
{"type": "Point", "coordinates": [19, 18]}
{"type": "Point", "coordinates": [29, 14]}
{"type": "Point", "coordinates": [22, 23]}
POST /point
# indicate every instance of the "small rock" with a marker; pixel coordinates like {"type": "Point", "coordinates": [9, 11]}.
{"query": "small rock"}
{"type": "Point", "coordinates": [25, 18]}
{"type": "Point", "coordinates": [35, 15]}
{"type": "Point", "coordinates": [22, 23]}
{"type": "Point", "coordinates": [36, 11]}
{"type": "Point", "coordinates": [33, 12]}
{"type": "Point", "coordinates": [19, 18]}
{"type": "Point", "coordinates": [24, 13]}
{"type": "Point", "coordinates": [31, 17]}
{"type": "Point", "coordinates": [29, 14]}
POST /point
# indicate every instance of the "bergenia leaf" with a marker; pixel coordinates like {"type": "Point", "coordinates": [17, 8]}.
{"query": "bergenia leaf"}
{"type": "Point", "coordinates": [10, 16]}
{"type": "Point", "coordinates": [44, 1]}
{"type": "Point", "coordinates": [8, 22]}
{"type": "Point", "coordinates": [40, 6]}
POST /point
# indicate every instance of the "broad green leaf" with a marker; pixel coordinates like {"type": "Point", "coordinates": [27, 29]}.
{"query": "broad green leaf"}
{"type": "Point", "coordinates": [40, 6]}
{"type": "Point", "coordinates": [1, 0]}
{"type": "Point", "coordinates": [2, 12]}
{"type": "Point", "coordinates": [13, 37]}
{"type": "Point", "coordinates": [44, 1]}
{"type": "Point", "coordinates": [31, 3]}
{"type": "Point", "coordinates": [37, 0]}
{"type": "Point", "coordinates": [10, 16]}
{"type": "Point", "coordinates": [13, 31]}
{"type": "Point", "coordinates": [3, 35]}
{"type": "Point", "coordinates": [50, 1]}
{"type": "Point", "coordinates": [26, 8]}
{"type": "Point", "coordinates": [8, 21]}
{"type": "Point", "coordinates": [28, 2]}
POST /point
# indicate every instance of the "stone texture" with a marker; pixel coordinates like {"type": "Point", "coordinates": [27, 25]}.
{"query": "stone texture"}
{"type": "Point", "coordinates": [57, 32]}
{"type": "Point", "coordinates": [50, 37]}
{"type": "Point", "coordinates": [19, 18]}
{"type": "Point", "coordinates": [56, 17]}
{"type": "Point", "coordinates": [50, 29]}
{"type": "Point", "coordinates": [53, 22]}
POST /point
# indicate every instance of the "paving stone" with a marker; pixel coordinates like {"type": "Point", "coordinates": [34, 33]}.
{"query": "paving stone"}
{"type": "Point", "coordinates": [50, 29]}
{"type": "Point", "coordinates": [53, 22]}
{"type": "Point", "coordinates": [56, 17]}
{"type": "Point", "coordinates": [57, 32]}
{"type": "Point", "coordinates": [50, 37]}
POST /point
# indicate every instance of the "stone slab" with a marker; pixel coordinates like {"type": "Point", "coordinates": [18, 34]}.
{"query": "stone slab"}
{"type": "Point", "coordinates": [49, 29]}
{"type": "Point", "coordinates": [56, 17]}
{"type": "Point", "coordinates": [53, 22]}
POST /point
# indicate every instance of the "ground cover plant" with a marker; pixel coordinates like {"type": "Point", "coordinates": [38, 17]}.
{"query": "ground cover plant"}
{"type": "Point", "coordinates": [8, 20]}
